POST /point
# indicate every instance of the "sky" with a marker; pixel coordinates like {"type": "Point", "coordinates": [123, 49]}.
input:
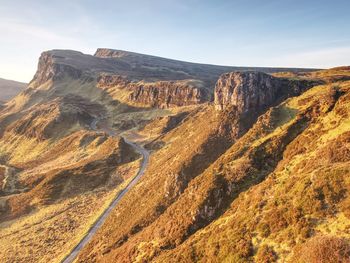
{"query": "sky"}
{"type": "Point", "coordinates": [276, 33]}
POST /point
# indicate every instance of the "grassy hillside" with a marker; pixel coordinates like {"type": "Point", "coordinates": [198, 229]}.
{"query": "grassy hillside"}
{"type": "Point", "coordinates": [289, 188]}
{"type": "Point", "coordinates": [279, 193]}
{"type": "Point", "coordinates": [221, 185]}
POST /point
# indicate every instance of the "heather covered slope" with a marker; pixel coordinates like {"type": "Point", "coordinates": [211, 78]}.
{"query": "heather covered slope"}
{"type": "Point", "coordinates": [210, 145]}
{"type": "Point", "coordinates": [284, 187]}
{"type": "Point", "coordinates": [279, 192]}
{"type": "Point", "coordinates": [57, 175]}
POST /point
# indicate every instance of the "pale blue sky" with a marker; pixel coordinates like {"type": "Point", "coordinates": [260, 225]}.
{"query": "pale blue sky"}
{"type": "Point", "coordinates": [288, 33]}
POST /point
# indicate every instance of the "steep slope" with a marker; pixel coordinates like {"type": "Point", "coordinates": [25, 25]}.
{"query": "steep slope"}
{"type": "Point", "coordinates": [58, 173]}
{"type": "Point", "coordinates": [52, 165]}
{"type": "Point", "coordinates": [10, 88]}
{"type": "Point", "coordinates": [141, 228]}
{"type": "Point", "coordinates": [301, 154]}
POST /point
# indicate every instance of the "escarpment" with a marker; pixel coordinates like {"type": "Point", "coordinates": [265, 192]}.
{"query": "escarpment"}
{"type": "Point", "coordinates": [253, 91]}
{"type": "Point", "coordinates": [158, 94]}
{"type": "Point", "coordinates": [246, 95]}
{"type": "Point", "coordinates": [49, 69]}
{"type": "Point", "coordinates": [112, 80]}
{"type": "Point", "coordinates": [166, 94]}
{"type": "Point", "coordinates": [149, 81]}
{"type": "Point", "coordinates": [110, 53]}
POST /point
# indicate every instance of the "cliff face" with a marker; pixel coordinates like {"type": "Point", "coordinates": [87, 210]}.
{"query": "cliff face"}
{"type": "Point", "coordinates": [243, 96]}
{"type": "Point", "coordinates": [165, 94]}
{"type": "Point", "coordinates": [159, 94]}
{"type": "Point", "coordinates": [49, 69]}
{"type": "Point", "coordinates": [253, 91]}
{"type": "Point", "coordinates": [110, 81]}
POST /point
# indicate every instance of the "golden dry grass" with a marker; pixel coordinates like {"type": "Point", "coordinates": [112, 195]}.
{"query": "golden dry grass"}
{"type": "Point", "coordinates": [296, 201]}
{"type": "Point", "coordinates": [204, 196]}
{"type": "Point", "coordinates": [49, 232]}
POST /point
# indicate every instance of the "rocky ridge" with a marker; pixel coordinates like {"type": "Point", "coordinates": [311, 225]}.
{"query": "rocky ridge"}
{"type": "Point", "coordinates": [160, 82]}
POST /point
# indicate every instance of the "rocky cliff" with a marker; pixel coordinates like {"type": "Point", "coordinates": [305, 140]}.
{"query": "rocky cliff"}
{"type": "Point", "coordinates": [243, 96]}
{"type": "Point", "coordinates": [158, 94]}
{"type": "Point", "coordinates": [49, 69]}
{"type": "Point", "coordinates": [165, 94]}
{"type": "Point", "coordinates": [254, 91]}
{"type": "Point", "coordinates": [111, 81]}
{"type": "Point", "coordinates": [110, 53]}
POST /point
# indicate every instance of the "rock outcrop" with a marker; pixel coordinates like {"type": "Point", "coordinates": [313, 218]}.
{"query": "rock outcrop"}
{"type": "Point", "coordinates": [110, 53]}
{"type": "Point", "coordinates": [152, 81]}
{"type": "Point", "coordinates": [242, 97]}
{"type": "Point", "coordinates": [254, 91]}
{"type": "Point", "coordinates": [110, 81]}
{"type": "Point", "coordinates": [48, 69]}
{"type": "Point", "coordinates": [159, 94]}
{"type": "Point", "coordinates": [165, 94]}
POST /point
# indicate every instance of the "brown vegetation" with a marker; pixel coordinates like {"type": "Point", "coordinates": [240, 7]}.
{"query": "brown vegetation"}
{"type": "Point", "coordinates": [323, 249]}
{"type": "Point", "coordinates": [254, 202]}
{"type": "Point", "coordinates": [265, 179]}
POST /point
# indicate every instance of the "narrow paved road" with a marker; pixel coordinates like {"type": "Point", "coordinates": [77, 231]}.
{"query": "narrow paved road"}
{"type": "Point", "coordinates": [145, 158]}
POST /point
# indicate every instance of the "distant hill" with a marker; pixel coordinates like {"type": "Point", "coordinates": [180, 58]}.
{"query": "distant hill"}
{"type": "Point", "coordinates": [10, 88]}
{"type": "Point", "coordinates": [135, 79]}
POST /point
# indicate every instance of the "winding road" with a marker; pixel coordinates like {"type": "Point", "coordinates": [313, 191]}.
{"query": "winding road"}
{"type": "Point", "coordinates": [145, 158]}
